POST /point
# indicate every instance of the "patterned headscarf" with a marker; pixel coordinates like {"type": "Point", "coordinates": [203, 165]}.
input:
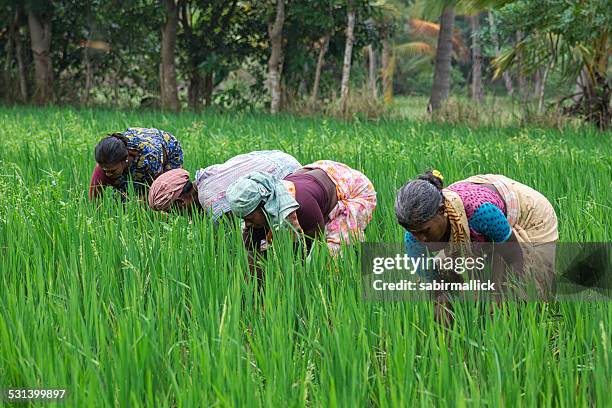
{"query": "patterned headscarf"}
{"type": "Point", "coordinates": [246, 193]}
{"type": "Point", "coordinates": [167, 188]}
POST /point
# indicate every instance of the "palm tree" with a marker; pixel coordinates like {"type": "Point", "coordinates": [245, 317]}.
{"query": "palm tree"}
{"type": "Point", "coordinates": [423, 39]}
{"type": "Point", "coordinates": [425, 35]}
{"type": "Point", "coordinates": [441, 80]}
{"type": "Point", "coordinates": [447, 39]}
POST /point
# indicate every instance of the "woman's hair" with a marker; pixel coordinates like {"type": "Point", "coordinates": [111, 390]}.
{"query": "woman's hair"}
{"type": "Point", "coordinates": [418, 200]}
{"type": "Point", "coordinates": [112, 149]}
{"type": "Point", "coordinates": [187, 188]}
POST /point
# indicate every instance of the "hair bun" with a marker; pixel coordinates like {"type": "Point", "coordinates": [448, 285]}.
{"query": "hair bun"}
{"type": "Point", "coordinates": [434, 177]}
{"type": "Point", "coordinates": [120, 136]}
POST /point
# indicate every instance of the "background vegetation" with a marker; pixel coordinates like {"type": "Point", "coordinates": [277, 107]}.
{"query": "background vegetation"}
{"type": "Point", "coordinates": [342, 57]}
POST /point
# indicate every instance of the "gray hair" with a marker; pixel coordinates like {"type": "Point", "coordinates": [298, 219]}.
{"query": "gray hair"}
{"type": "Point", "coordinates": [417, 202]}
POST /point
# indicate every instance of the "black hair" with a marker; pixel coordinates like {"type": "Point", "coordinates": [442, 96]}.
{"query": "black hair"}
{"type": "Point", "coordinates": [433, 179]}
{"type": "Point", "coordinates": [187, 187]}
{"type": "Point", "coordinates": [112, 149]}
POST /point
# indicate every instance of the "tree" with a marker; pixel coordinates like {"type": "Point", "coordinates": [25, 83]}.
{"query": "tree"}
{"type": "Point", "coordinates": [323, 46]}
{"type": "Point", "coordinates": [108, 49]}
{"type": "Point", "coordinates": [167, 77]}
{"type": "Point", "coordinates": [422, 46]}
{"type": "Point", "coordinates": [315, 36]}
{"type": "Point", "coordinates": [10, 41]}
{"type": "Point", "coordinates": [521, 79]}
{"type": "Point", "coordinates": [495, 40]}
{"type": "Point", "coordinates": [554, 34]}
{"type": "Point", "coordinates": [388, 66]}
{"type": "Point", "coordinates": [348, 52]}
{"type": "Point", "coordinates": [441, 80]}
{"type": "Point", "coordinates": [476, 60]}
{"type": "Point", "coordinates": [389, 13]}
{"type": "Point", "coordinates": [217, 37]}
{"type": "Point", "coordinates": [275, 63]}
{"type": "Point", "coordinates": [39, 23]}
{"type": "Point", "coordinates": [21, 69]}
{"type": "Point", "coordinates": [372, 71]}
{"type": "Point", "coordinates": [13, 13]}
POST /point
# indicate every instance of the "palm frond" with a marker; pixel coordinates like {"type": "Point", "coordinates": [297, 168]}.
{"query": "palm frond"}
{"type": "Point", "coordinates": [504, 61]}
{"type": "Point", "coordinates": [461, 51]}
{"type": "Point", "coordinates": [415, 48]}
{"type": "Point", "coordinates": [428, 30]}
{"type": "Point", "coordinates": [422, 28]}
{"type": "Point", "coordinates": [536, 51]}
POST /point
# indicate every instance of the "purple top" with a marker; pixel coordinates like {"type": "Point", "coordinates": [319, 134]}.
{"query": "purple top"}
{"type": "Point", "coordinates": [477, 197]}
{"type": "Point", "coordinates": [316, 195]}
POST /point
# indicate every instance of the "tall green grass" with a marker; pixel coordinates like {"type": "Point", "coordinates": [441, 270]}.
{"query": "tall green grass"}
{"type": "Point", "coordinates": [125, 307]}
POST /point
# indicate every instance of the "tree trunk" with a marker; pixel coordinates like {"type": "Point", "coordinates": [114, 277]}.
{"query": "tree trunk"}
{"type": "Point", "coordinates": [593, 99]}
{"type": "Point", "coordinates": [169, 93]}
{"type": "Point", "coordinates": [161, 84]}
{"type": "Point", "coordinates": [115, 85]}
{"type": "Point", "coordinates": [476, 60]}
{"type": "Point", "coordinates": [599, 109]}
{"type": "Point", "coordinates": [194, 91]}
{"type": "Point", "coordinates": [275, 68]}
{"type": "Point", "coordinates": [522, 81]}
{"type": "Point", "coordinates": [537, 82]}
{"type": "Point", "coordinates": [8, 63]}
{"type": "Point", "coordinates": [88, 76]}
{"type": "Point", "coordinates": [441, 79]}
{"type": "Point", "coordinates": [208, 88]}
{"type": "Point", "coordinates": [315, 86]}
{"type": "Point", "coordinates": [581, 85]}
{"type": "Point", "coordinates": [303, 87]}
{"type": "Point", "coordinates": [387, 69]}
{"type": "Point", "coordinates": [541, 77]}
{"type": "Point", "coordinates": [40, 35]}
{"type": "Point", "coordinates": [284, 92]}
{"type": "Point", "coordinates": [506, 75]}
{"type": "Point", "coordinates": [346, 66]}
{"type": "Point", "coordinates": [21, 70]}
{"type": "Point", "coordinates": [372, 71]}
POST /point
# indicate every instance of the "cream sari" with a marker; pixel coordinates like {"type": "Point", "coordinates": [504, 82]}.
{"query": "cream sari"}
{"type": "Point", "coordinates": [531, 217]}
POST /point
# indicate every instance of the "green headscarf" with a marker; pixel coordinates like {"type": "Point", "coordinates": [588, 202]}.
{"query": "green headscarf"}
{"type": "Point", "coordinates": [245, 194]}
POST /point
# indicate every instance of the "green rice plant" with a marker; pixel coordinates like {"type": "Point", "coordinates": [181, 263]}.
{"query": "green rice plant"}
{"type": "Point", "coordinates": [125, 307]}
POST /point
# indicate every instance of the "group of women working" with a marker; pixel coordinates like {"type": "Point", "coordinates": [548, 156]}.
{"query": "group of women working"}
{"type": "Point", "coordinates": [271, 190]}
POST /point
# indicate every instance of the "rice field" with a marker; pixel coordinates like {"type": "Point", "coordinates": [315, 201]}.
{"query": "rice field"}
{"type": "Point", "coordinates": [123, 307]}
